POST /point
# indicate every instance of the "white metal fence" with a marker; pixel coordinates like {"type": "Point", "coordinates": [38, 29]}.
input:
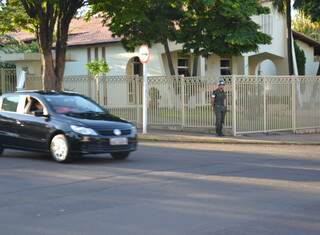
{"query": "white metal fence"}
{"type": "Point", "coordinates": [255, 104]}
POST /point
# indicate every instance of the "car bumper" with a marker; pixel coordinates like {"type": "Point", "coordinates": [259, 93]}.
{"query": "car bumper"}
{"type": "Point", "coordinates": [100, 144]}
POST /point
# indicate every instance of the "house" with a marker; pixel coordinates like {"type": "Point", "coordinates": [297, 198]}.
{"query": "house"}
{"type": "Point", "coordinates": [311, 49]}
{"type": "Point", "coordinates": [92, 41]}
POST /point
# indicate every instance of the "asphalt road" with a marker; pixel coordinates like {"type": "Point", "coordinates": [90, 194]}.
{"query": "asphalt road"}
{"type": "Point", "coordinates": [165, 189]}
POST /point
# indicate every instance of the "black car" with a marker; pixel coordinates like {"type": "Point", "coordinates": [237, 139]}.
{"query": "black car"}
{"type": "Point", "coordinates": [63, 123]}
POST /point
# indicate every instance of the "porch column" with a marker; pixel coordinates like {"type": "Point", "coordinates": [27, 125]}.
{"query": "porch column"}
{"type": "Point", "coordinates": [246, 65]}
{"type": "Point", "coordinates": [202, 62]}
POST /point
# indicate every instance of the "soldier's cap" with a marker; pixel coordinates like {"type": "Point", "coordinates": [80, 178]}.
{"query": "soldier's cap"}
{"type": "Point", "coordinates": [221, 82]}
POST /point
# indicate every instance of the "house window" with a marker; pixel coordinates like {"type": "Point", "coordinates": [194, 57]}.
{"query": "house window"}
{"type": "Point", "coordinates": [225, 66]}
{"type": "Point", "coordinates": [103, 53]}
{"type": "Point", "coordinates": [137, 66]}
{"type": "Point", "coordinates": [96, 53]}
{"type": "Point", "coordinates": [89, 55]}
{"type": "Point", "coordinates": [183, 67]}
{"type": "Point", "coordinates": [267, 24]}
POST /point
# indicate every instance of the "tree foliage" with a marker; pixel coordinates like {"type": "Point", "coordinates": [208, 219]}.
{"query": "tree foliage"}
{"type": "Point", "coordinates": [14, 46]}
{"type": "Point", "coordinates": [303, 24]}
{"type": "Point", "coordinates": [141, 22]}
{"type": "Point", "coordinates": [222, 27]}
{"type": "Point", "coordinates": [310, 8]}
{"type": "Point", "coordinates": [97, 67]}
{"type": "Point", "coordinates": [13, 17]}
{"type": "Point", "coordinates": [6, 65]}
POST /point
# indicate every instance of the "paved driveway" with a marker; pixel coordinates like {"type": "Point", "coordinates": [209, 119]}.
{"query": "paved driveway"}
{"type": "Point", "coordinates": [165, 189]}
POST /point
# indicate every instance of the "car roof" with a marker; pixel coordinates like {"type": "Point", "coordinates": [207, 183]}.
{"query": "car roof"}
{"type": "Point", "coordinates": [43, 92]}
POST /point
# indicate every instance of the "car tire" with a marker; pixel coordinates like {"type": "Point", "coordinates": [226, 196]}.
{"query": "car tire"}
{"type": "Point", "coordinates": [59, 149]}
{"type": "Point", "coordinates": [120, 155]}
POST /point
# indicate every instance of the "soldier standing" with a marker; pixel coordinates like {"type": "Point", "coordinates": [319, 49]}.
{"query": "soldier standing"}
{"type": "Point", "coordinates": [219, 106]}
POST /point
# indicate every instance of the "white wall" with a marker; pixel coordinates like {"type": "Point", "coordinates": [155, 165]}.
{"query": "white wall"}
{"type": "Point", "coordinates": [311, 64]}
{"type": "Point", "coordinates": [266, 67]}
{"type": "Point", "coordinates": [77, 65]}
{"type": "Point", "coordinates": [116, 57]}
{"type": "Point", "coordinates": [276, 29]}
{"type": "Point", "coordinates": [34, 67]}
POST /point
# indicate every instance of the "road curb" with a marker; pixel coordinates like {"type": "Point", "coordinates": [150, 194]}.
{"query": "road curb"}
{"type": "Point", "coordinates": [215, 140]}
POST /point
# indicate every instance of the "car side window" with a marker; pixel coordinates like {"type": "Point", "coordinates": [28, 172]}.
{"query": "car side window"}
{"type": "Point", "coordinates": [10, 103]}
{"type": "Point", "coordinates": [32, 105]}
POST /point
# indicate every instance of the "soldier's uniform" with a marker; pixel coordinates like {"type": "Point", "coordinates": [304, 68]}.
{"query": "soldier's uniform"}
{"type": "Point", "coordinates": [220, 109]}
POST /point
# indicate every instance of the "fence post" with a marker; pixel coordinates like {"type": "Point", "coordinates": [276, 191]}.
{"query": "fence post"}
{"type": "Point", "coordinates": [3, 80]}
{"type": "Point", "coordinates": [97, 89]}
{"type": "Point", "coordinates": [294, 97]}
{"type": "Point", "coordinates": [89, 86]}
{"type": "Point", "coordinates": [182, 102]}
{"type": "Point", "coordinates": [234, 106]}
{"type": "Point", "coordinates": [264, 106]}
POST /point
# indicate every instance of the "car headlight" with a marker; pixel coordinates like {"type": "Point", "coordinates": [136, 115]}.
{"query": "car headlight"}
{"type": "Point", "coordinates": [134, 130]}
{"type": "Point", "coordinates": [83, 130]}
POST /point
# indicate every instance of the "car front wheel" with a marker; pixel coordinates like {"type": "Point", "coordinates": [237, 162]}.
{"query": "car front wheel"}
{"type": "Point", "coordinates": [59, 149]}
{"type": "Point", "coordinates": [120, 156]}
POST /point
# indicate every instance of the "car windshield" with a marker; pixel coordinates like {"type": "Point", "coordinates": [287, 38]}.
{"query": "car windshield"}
{"type": "Point", "coordinates": [76, 104]}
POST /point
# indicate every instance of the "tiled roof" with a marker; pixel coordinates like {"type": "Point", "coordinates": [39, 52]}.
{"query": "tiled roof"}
{"type": "Point", "coordinates": [22, 36]}
{"type": "Point", "coordinates": [310, 41]}
{"type": "Point", "coordinates": [81, 32]}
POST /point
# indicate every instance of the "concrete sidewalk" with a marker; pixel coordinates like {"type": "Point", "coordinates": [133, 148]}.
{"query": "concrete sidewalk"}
{"type": "Point", "coordinates": [283, 138]}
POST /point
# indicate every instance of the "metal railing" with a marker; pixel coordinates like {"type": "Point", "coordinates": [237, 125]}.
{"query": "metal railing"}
{"type": "Point", "coordinates": [255, 104]}
{"type": "Point", "coordinates": [8, 80]}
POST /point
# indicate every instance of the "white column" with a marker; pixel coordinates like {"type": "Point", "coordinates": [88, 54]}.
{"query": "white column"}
{"type": "Point", "coordinates": [202, 66]}
{"type": "Point", "coordinates": [246, 65]}
{"type": "Point", "coordinates": [294, 59]}
{"type": "Point", "coordinates": [145, 99]}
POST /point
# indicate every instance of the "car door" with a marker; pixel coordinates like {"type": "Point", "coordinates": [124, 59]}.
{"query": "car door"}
{"type": "Point", "coordinates": [8, 120]}
{"type": "Point", "coordinates": [33, 131]}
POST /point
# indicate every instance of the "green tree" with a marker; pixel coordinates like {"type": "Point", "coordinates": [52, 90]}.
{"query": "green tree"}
{"type": "Point", "coordinates": [141, 22]}
{"type": "Point", "coordinates": [97, 67]}
{"type": "Point", "coordinates": [310, 8]}
{"type": "Point", "coordinates": [14, 46]}
{"type": "Point", "coordinates": [303, 24]}
{"type": "Point", "coordinates": [202, 26]}
{"type": "Point", "coordinates": [222, 27]}
{"type": "Point", "coordinates": [13, 17]}
{"type": "Point", "coordinates": [284, 7]}
{"type": "Point", "coordinates": [50, 20]}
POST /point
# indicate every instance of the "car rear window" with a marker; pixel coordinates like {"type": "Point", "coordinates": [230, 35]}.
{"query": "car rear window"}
{"type": "Point", "coordinates": [10, 103]}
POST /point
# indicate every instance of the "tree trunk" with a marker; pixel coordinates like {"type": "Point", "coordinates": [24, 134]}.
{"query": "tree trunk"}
{"type": "Point", "coordinates": [61, 48]}
{"type": "Point", "coordinates": [318, 73]}
{"type": "Point", "coordinates": [169, 58]}
{"type": "Point", "coordinates": [48, 75]}
{"type": "Point", "coordinates": [45, 36]}
{"type": "Point", "coordinates": [289, 42]}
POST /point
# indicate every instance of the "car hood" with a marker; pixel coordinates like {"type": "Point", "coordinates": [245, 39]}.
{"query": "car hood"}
{"type": "Point", "coordinates": [99, 122]}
